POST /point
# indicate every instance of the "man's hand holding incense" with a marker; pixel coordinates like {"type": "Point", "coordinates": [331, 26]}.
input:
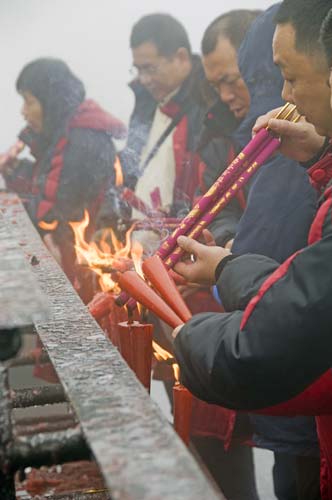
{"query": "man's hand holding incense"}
{"type": "Point", "coordinates": [206, 259]}
{"type": "Point", "coordinates": [299, 141]}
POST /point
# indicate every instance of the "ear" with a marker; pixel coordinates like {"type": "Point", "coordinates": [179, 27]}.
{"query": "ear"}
{"type": "Point", "coordinates": [182, 54]}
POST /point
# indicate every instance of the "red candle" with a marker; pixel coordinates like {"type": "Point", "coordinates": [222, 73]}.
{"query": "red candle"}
{"type": "Point", "coordinates": [136, 287]}
{"type": "Point", "coordinates": [154, 269]}
{"type": "Point", "coordinates": [116, 316]}
{"type": "Point", "coordinates": [125, 342]}
{"type": "Point", "coordinates": [99, 306]}
{"type": "Point", "coordinates": [135, 344]}
{"type": "Point", "coordinates": [182, 409]}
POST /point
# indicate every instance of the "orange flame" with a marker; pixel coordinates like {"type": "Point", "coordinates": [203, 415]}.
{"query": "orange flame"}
{"type": "Point", "coordinates": [137, 257]}
{"type": "Point", "coordinates": [48, 226]}
{"type": "Point", "coordinates": [103, 255]}
{"type": "Point", "coordinates": [162, 355]}
{"type": "Point", "coordinates": [118, 172]}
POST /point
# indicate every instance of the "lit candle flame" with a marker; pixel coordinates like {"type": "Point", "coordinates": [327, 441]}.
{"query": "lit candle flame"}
{"type": "Point", "coordinates": [118, 172]}
{"type": "Point", "coordinates": [163, 355]}
{"type": "Point", "coordinates": [102, 255]}
{"type": "Point", "coordinates": [48, 226]}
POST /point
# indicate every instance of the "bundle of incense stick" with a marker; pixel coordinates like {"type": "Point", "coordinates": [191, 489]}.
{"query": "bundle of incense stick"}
{"type": "Point", "coordinates": [11, 154]}
{"type": "Point", "coordinates": [233, 179]}
{"type": "Point", "coordinates": [135, 202]}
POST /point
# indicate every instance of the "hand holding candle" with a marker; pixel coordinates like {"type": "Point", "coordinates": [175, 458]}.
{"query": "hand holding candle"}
{"type": "Point", "coordinates": [227, 186]}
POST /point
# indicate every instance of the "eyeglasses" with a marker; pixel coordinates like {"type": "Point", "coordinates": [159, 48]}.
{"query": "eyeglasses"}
{"type": "Point", "coordinates": [148, 70]}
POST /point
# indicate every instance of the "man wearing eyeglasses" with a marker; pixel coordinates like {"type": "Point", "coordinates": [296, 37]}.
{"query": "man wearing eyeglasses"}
{"type": "Point", "coordinates": [171, 100]}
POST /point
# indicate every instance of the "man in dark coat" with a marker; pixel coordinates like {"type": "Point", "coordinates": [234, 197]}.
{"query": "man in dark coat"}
{"type": "Point", "coordinates": [268, 225]}
{"type": "Point", "coordinates": [171, 96]}
{"type": "Point", "coordinates": [268, 354]}
{"type": "Point", "coordinates": [220, 44]}
{"type": "Point", "coordinates": [171, 99]}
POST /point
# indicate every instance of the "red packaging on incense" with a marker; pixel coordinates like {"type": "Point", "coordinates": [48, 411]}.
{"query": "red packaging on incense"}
{"type": "Point", "coordinates": [100, 305]}
{"type": "Point", "coordinates": [135, 344]}
{"type": "Point", "coordinates": [182, 409]}
{"type": "Point", "coordinates": [156, 272]}
{"type": "Point", "coordinates": [116, 316]}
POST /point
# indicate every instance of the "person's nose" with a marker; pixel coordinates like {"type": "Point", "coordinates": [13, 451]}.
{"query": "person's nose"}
{"type": "Point", "coordinates": [144, 78]}
{"type": "Point", "coordinates": [226, 94]}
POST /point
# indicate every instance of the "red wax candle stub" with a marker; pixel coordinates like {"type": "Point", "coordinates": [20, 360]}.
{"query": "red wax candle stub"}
{"type": "Point", "coordinates": [116, 315]}
{"type": "Point", "coordinates": [182, 404]}
{"type": "Point", "coordinates": [156, 272]}
{"type": "Point", "coordinates": [100, 305]}
{"type": "Point", "coordinates": [135, 286]}
{"type": "Point", "coordinates": [135, 344]}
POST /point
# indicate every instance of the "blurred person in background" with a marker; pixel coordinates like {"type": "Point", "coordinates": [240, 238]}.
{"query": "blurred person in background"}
{"type": "Point", "coordinates": [70, 138]}
{"type": "Point", "coordinates": [171, 99]}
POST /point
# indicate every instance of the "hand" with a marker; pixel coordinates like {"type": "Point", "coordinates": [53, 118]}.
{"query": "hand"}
{"type": "Point", "coordinates": [9, 166]}
{"type": "Point", "coordinates": [299, 141]}
{"type": "Point", "coordinates": [176, 331]}
{"type": "Point", "coordinates": [190, 289]}
{"type": "Point", "coordinates": [208, 238]}
{"type": "Point", "coordinates": [206, 260]}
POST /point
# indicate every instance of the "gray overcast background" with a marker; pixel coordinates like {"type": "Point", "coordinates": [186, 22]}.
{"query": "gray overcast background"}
{"type": "Point", "coordinates": [92, 36]}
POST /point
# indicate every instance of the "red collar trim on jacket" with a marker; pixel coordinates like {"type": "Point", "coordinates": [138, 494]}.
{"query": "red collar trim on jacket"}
{"type": "Point", "coordinates": [90, 115]}
{"type": "Point", "coordinates": [321, 172]}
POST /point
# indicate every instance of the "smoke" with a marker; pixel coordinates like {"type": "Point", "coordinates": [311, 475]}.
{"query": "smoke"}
{"type": "Point", "coordinates": [93, 38]}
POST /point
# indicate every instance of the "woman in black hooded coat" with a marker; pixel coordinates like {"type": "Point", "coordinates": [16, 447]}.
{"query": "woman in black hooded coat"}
{"type": "Point", "coordinates": [71, 140]}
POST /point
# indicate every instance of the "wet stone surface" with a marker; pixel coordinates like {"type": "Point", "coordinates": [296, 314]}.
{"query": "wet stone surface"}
{"type": "Point", "coordinates": [21, 300]}
{"type": "Point", "coordinates": [138, 452]}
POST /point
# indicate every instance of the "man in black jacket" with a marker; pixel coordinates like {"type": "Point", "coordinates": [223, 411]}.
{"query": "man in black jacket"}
{"type": "Point", "coordinates": [281, 342]}
{"type": "Point", "coordinates": [247, 356]}
{"type": "Point", "coordinates": [251, 86]}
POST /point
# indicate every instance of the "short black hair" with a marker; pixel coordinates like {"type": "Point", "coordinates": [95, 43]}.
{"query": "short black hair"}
{"type": "Point", "coordinates": [326, 37]}
{"type": "Point", "coordinates": [233, 25]}
{"type": "Point", "coordinates": [306, 17]}
{"type": "Point", "coordinates": [163, 30]}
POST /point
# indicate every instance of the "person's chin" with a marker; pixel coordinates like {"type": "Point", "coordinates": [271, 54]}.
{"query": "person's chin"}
{"type": "Point", "coordinates": [323, 131]}
{"type": "Point", "coordinates": [240, 113]}
{"type": "Point", "coordinates": [33, 127]}
{"type": "Point", "coordinates": [157, 95]}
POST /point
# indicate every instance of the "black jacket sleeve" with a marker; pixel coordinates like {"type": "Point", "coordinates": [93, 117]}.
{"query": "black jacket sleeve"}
{"type": "Point", "coordinates": [241, 279]}
{"type": "Point", "coordinates": [282, 347]}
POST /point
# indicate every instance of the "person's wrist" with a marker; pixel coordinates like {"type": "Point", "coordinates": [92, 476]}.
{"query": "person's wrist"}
{"type": "Point", "coordinates": [316, 157]}
{"type": "Point", "coordinates": [222, 264]}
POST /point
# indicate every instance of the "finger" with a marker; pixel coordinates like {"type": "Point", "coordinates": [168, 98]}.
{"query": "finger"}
{"type": "Point", "coordinates": [189, 245]}
{"type": "Point", "coordinates": [285, 128]}
{"type": "Point", "coordinates": [184, 270]}
{"type": "Point", "coordinates": [208, 238]}
{"type": "Point", "coordinates": [262, 121]}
